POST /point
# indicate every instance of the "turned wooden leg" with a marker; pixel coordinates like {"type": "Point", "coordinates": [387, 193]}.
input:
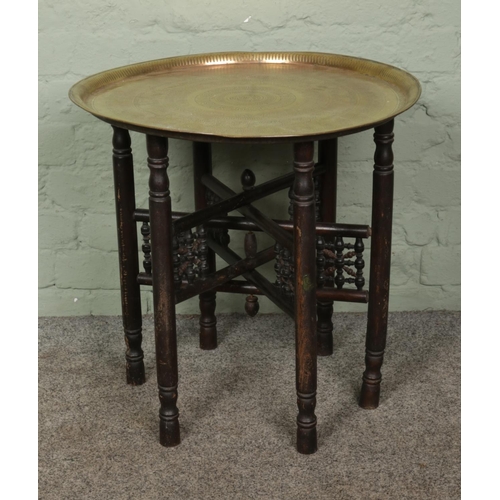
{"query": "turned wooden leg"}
{"type": "Point", "coordinates": [202, 164]}
{"type": "Point", "coordinates": [327, 155]}
{"type": "Point", "coordinates": [160, 213]}
{"type": "Point", "coordinates": [305, 295]}
{"type": "Point", "coordinates": [380, 263]}
{"type": "Point", "coordinates": [123, 171]}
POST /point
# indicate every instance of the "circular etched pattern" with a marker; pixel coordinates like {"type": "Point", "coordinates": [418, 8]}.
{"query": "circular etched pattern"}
{"type": "Point", "coordinates": [250, 99]}
{"type": "Point", "coordinates": [250, 96]}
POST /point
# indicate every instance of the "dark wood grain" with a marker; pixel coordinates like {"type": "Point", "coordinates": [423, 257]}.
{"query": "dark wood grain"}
{"type": "Point", "coordinates": [128, 255]}
{"type": "Point", "coordinates": [237, 222]}
{"type": "Point", "coordinates": [380, 264]}
{"type": "Point", "coordinates": [202, 165]}
{"type": "Point", "coordinates": [305, 295]}
{"type": "Point", "coordinates": [252, 213]}
{"type": "Point", "coordinates": [327, 155]}
{"type": "Point", "coordinates": [238, 200]}
{"type": "Point", "coordinates": [235, 286]}
{"type": "Point", "coordinates": [312, 305]}
{"type": "Point", "coordinates": [189, 290]}
{"type": "Point", "coordinates": [160, 208]}
{"type": "Point", "coordinates": [256, 278]}
{"type": "Point", "coordinates": [239, 286]}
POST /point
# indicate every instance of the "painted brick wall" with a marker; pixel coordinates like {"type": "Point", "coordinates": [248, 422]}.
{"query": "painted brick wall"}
{"type": "Point", "coordinates": [78, 271]}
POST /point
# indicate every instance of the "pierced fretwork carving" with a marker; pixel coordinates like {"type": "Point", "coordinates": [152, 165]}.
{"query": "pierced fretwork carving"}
{"type": "Point", "coordinates": [202, 252]}
{"type": "Point", "coordinates": [284, 262]}
{"type": "Point", "coordinates": [190, 256]}
{"type": "Point", "coordinates": [320, 261]}
{"type": "Point", "coordinates": [284, 270]}
{"type": "Point", "coordinates": [176, 262]}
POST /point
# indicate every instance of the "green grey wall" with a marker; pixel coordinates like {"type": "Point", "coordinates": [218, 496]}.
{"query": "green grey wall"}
{"type": "Point", "coordinates": [78, 270]}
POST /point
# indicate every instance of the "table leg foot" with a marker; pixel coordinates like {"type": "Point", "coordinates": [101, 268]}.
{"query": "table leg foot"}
{"type": "Point", "coordinates": [169, 417]}
{"type": "Point", "coordinates": [370, 390]}
{"type": "Point", "coordinates": [169, 433]}
{"type": "Point", "coordinates": [135, 363]}
{"type": "Point", "coordinates": [307, 442]}
{"type": "Point", "coordinates": [208, 321]}
{"type": "Point", "coordinates": [136, 374]}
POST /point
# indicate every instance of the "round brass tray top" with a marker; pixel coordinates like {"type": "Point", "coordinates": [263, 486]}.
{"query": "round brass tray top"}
{"type": "Point", "coordinates": [249, 96]}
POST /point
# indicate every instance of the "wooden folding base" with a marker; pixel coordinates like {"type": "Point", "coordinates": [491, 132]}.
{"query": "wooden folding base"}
{"type": "Point", "coordinates": [312, 262]}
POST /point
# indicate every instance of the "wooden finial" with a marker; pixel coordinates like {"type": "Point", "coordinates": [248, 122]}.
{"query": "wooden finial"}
{"type": "Point", "coordinates": [247, 179]}
{"type": "Point", "coordinates": [252, 305]}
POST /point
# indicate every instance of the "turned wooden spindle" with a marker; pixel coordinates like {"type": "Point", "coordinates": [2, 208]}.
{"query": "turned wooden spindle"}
{"type": "Point", "coordinates": [128, 252]}
{"type": "Point", "coordinates": [250, 246]}
{"type": "Point", "coordinates": [380, 263]}
{"type": "Point", "coordinates": [146, 247]}
{"type": "Point", "coordinates": [327, 155]}
{"type": "Point", "coordinates": [359, 263]}
{"type": "Point", "coordinates": [202, 164]}
{"type": "Point", "coordinates": [305, 295]}
{"type": "Point", "coordinates": [339, 261]}
{"type": "Point", "coordinates": [160, 212]}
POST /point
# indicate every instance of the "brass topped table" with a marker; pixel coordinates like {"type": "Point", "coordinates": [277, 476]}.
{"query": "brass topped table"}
{"type": "Point", "coordinates": [241, 97]}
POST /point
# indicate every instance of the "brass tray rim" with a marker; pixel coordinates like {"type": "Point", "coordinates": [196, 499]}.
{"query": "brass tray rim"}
{"type": "Point", "coordinates": [100, 80]}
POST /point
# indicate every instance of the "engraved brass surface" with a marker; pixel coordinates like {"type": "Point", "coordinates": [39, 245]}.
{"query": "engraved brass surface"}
{"type": "Point", "coordinates": [249, 95]}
